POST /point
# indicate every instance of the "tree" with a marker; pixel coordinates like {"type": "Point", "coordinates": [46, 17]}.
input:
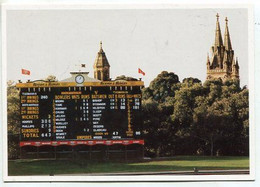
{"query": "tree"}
{"type": "Point", "coordinates": [237, 133]}
{"type": "Point", "coordinates": [221, 116]}
{"type": "Point", "coordinates": [182, 117]}
{"type": "Point", "coordinates": [157, 104]}
{"type": "Point", "coordinates": [190, 116]}
{"type": "Point", "coordinates": [13, 119]}
{"type": "Point", "coordinates": [209, 122]}
{"type": "Point", "coordinates": [51, 78]}
{"type": "Point", "coordinates": [162, 87]}
{"type": "Point", "coordinates": [185, 100]}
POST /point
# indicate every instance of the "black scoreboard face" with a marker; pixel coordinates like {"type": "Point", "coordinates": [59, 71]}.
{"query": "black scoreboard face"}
{"type": "Point", "coordinates": [81, 113]}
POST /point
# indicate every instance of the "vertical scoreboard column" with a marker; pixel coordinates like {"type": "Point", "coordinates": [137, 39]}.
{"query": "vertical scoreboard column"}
{"type": "Point", "coordinates": [98, 108]}
{"type": "Point", "coordinates": [123, 112]}
{"type": "Point", "coordinates": [113, 108]}
{"type": "Point", "coordinates": [134, 114]}
{"type": "Point", "coordinates": [112, 102]}
{"type": "Point", "coordinates": [60, 123]}
{"type": "Point", "coordinates": [129, 132]}
{"type": "Point", "coordinates": [83, 126]}
{"type": "Point", "coordinates": [100, 117]}
{"type": "Point", "coordinates": [84, 109]}
{"type": "Point", "coordinates": [36, 114]}
{"type": "Point", "coordinates": [45, 114]}
{"type": "Point", "coordinates": [29, 115]}
{"type": "Point", "coordinates": [137, 113]}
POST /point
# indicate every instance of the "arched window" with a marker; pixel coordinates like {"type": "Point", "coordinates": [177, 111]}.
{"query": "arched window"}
{"type": "Point", "coordinates": [99, 75]}
{"type": "Point", "coordinates": [106, 75]}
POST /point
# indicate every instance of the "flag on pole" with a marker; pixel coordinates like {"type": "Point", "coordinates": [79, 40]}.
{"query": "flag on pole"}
{"type": "Point", "coordinates": [83, 65]}
{"type": "Point", "coordinates": [26, 72]}
{"type": "Point", "coordinates": [140, 71]}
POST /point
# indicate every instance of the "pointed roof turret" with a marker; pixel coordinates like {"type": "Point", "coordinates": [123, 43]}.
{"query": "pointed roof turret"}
{"type": "Point", "coordinates": [227, 41]}
{"type": "Point", "coordinates": [208, 61]}
{"type": "Point", "coordinates": [236, 62]}
{"type": "Point", "coordinates": [218, 37]}
{"type": "Point", "coordinates": [225, 59]}
{"type": "Point", "coordinates": [100, 47]}
{"type": "Point", "coordinates": [101, 59]}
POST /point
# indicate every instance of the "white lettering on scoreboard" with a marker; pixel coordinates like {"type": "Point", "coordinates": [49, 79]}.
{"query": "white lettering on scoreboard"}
{"type": "Point", "coordinates": [62, 114]}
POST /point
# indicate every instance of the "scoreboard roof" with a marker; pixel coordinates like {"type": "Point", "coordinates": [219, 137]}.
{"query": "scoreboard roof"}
{"type": "Point", "coordinates": [41, 84]}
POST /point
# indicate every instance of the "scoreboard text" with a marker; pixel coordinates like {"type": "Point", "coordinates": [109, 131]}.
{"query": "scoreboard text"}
{"type": "Point", "coordinates": [99, 112]}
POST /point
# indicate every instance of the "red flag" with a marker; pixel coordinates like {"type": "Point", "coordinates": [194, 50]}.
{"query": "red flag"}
{"type": "Point", "coordinates": [140, 71]}
{"type": "Point", "coordinates": [26, 72]}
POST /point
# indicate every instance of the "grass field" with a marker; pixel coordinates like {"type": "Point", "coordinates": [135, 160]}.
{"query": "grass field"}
{"type": "Point", "coordinates": [179, 163]}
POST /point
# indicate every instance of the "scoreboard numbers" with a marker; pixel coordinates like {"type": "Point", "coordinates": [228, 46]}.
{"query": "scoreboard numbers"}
{"type": "Point", "coordinates": [80, 113]}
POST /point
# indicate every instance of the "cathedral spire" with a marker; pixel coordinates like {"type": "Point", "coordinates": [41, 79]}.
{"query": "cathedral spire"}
{"type": "Point", "coordinates": [227, 41]}
{"type": "Point", "coordinates": [218, 37]}
{"type": "Point", "coordinates": [222, 64]}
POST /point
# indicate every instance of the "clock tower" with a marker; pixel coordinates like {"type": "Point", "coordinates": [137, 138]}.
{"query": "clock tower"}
{"type": "Point", "coordinates": [101, 66]}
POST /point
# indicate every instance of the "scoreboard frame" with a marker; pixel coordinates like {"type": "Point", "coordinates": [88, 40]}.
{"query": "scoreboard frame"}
{"type": "Point", "coordinates": [120, 86]}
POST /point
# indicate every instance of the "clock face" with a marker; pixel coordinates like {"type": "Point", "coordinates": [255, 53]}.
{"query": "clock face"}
{"type": "Point", "coordinates": [79, 79]}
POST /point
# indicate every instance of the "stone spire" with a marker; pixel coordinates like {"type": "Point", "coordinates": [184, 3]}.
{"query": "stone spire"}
{"type": "Point", "coordinates": [208, 61]}
{"type": "Point", "coordinates": [227, 41]}
{"type": "Point", "coordinates": [222, 63]}
{"type": "Point", "coordinates": [235, 69]}
{"type": "Point", "coordinates": [100, 47]}
{"type": "Point", "coordinates": [237, 62]}
{"type": "Point", "coordinates": [218, 37]}
{"type": "Point", "coordinates": [101, 66]}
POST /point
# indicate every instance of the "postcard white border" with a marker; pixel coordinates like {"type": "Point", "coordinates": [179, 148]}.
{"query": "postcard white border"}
{"type": "Point", "coordinates": [70, 6]}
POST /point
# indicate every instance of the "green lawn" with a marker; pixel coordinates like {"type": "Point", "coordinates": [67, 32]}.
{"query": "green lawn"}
{"type": "Point", "coordinates": [47, 167]}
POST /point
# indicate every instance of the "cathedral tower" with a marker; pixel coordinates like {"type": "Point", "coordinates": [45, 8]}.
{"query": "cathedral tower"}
{"type": "Point", "coordinates": [101, 66]}
{"type": "Point", "coordinates": [222, 63]}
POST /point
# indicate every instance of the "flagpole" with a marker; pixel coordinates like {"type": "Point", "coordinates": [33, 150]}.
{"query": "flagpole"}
{"type": "Point", "coordinates": [22, 77]}
{"type": "Point", "coordinates": [80, 66]}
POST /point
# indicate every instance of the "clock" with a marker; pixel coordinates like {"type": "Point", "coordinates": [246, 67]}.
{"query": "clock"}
{"type": "Point", "coordinates": [79, 79]}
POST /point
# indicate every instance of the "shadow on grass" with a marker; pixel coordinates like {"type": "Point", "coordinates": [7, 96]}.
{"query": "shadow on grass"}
{"type": "Point", "coordinates": [52, 167]}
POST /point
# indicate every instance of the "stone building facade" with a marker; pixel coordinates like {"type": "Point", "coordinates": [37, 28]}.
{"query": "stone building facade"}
{"type": "Point", "coordinates": [222, 63]}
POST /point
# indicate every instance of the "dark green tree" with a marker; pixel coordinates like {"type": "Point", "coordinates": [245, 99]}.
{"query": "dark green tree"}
{"type": "Point", "coordinates": [182, 117]}
{"type": "Point", "coordinates": [13, 119]}
{"type": "Point", "coordinates": [158, 100]}
{"type": "Point", "coordinates": [188, 117]}
{"type": "Point", "coordinates": [221, 116]}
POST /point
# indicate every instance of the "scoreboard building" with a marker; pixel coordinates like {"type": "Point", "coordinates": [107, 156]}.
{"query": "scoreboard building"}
{"type": "Point", "coordinates": [82, 116]}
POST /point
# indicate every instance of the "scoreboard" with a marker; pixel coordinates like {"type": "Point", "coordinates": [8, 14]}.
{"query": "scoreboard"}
{"type": "Point", "coordinates": [56, 113]}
